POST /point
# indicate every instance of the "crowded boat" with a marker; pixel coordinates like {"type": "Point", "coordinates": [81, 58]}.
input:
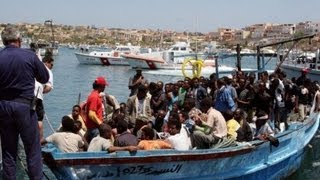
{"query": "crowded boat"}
{"type": "Point", "coordinates": [197, 113]}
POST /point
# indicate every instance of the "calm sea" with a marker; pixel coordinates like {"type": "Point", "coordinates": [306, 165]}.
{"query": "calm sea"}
{"type": "Point", "coordinates": [72, 80]}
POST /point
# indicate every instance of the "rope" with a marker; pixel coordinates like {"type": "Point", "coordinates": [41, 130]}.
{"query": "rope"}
{"type": "Point", "coordinates": [46, 117]}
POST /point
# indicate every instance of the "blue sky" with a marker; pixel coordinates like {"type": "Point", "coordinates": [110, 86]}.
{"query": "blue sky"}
{"type": "Point", "coordinates": [178, 15]}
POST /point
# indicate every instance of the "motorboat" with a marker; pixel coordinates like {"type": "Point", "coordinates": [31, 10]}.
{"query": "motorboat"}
{"type": "Point", "coordinates": [307, 61]}
{"type": "Point", "coordinates": [107, 58]}
{"type": "Point", "coordinates": [172, 58]}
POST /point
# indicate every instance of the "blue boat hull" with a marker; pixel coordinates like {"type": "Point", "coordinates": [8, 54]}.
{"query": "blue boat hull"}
{"type": "Point", "coordinates": [260, 160]}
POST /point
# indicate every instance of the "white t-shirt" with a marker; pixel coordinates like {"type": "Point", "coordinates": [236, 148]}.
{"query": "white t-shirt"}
{"type": "Point", "coordinates": [39, 93]}
{"type": "Point", "coordinates": [99, 143]}
{"type": "Point", "coordinates": [66, 141]}
{"type": "Point", "coordinates": [180, 141]}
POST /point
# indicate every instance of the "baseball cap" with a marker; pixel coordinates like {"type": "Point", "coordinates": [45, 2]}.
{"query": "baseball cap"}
{"type": "Point", "coordinates": [101, 81]}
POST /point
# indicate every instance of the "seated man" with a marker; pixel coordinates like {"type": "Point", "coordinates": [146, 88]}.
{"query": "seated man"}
{"type": "Point", "coordinates": [147, 142]}
{"type": "Point", "coordinates": [75, 115]}
{"type": "Point", "coordinates": [124, 138]}
{"type": "Point", "coordinates": [263, 129]}
{"type": "Point", "coordinates": [213, 119]}
{"type": "Point", "coordinates": [66, 140]}
{"type": "Point", "coordinates": [103, 142]}
{"type": "Point", "coordinates": [179, 138]}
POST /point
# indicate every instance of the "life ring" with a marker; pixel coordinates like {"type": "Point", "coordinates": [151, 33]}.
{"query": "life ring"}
{"type": "Point", "coordinates": [196, 67]}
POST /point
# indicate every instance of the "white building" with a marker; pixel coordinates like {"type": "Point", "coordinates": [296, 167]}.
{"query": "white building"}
{"type": "Point", "coordinates": [308, 27]}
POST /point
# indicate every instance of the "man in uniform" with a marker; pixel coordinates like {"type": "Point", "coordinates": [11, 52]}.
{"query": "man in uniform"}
{"type": "Point", "coordinates": [18, 69]}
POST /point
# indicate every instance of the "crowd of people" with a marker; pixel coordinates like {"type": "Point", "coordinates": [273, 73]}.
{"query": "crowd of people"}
{"type": "Point", "coordinates": [197, 113]}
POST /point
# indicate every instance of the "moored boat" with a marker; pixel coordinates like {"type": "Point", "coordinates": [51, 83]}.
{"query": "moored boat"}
{"type": "Point", "coordinates": [168, 59]}
{"type": "Point", "coordinates": [255, 160]}
{"type": "Point", "coordinates": [309, 63]}
{"type": "Point", "coordinates": [107, 58]}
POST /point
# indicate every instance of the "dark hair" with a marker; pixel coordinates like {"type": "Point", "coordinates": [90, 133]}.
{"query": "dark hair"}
{"type": "Point", "coordinates": [103, 129]}
{"type": "Point", "coordinates": [206, 102]}
{"type": "Point", "coordinates": [34, 46]}
{"type": "Point", "coordinates": [78, 106]}
{"type": "Point", "coordinates": [76, 129]}
{"type": "Point", "coordinates": [122, 126]}
{"type": "Point", "coordinates": [47, 59]}
{"type": "Point", "coordinates": [142, 88]}
{"type": "Point", "coordinates": [96, 86]}
{"type": "Point", "coordinates": [174, 116]}
{"type": "Point", "coordinates": [184, 114]}
{"type": "Point", "coordinates": [228, 114]}
{"type": "Point", "coordinates": [148, 132]}
{"type": "Point", "coordinates": [67, 124]}
{"type": "Point", "coordinates": [175, 122]}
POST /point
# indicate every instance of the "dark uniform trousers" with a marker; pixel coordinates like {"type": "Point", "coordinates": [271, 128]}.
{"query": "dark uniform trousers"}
{"type": "Point", "coordinates": [17, 118]}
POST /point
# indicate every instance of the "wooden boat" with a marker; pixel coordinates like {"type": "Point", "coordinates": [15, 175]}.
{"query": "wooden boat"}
{"type": "Point", "coordinates": [256, 160]}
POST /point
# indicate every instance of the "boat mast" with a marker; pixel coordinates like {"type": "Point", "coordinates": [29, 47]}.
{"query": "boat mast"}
{"type": "Point", "coordinates": [52, 33]}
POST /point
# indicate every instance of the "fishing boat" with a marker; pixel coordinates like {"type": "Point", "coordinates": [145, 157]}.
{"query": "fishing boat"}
{"type": "Point", "coordinates": [107, 58]}
{"type": "Point", "coordinates": [253, 160]}
{"type": "Point", "coordinates": [45, 46]}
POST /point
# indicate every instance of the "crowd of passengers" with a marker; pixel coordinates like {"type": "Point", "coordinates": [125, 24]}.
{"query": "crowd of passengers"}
{"type": "Point", "coordinates": [197, 113]}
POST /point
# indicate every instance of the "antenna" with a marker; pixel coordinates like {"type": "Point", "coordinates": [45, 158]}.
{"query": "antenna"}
{"type": "Point", "coordinates": [196, 38]}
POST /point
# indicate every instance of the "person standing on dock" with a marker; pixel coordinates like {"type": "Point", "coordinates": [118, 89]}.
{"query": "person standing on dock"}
{"type": "Point", "coordinates": [18, 70]}
{"type": "Point", "coordinates": [135, 81]}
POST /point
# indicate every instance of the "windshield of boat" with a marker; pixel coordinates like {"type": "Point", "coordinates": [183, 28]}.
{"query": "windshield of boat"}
{"type": "Point", "coordinates": [176, 48]}
{"type": "Point", "coordinates": [123, 49]}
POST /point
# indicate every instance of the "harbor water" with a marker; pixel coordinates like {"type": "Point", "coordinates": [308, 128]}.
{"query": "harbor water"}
{"type": "Point", "coordinates": [73, 82]}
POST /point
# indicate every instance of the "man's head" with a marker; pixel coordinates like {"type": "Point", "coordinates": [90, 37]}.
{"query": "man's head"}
{"type": "Point", "coordinates": [142, 92]}
{"type": "Point", "coordinates": [10, 35]}
{"type": "Point", "coordinates": [100, 83]}
{"type": "Point", "coordinates": [48, 61]}
{"type": "Point", "coordinates": [138, 71]}
{"type": "Point", "coordinates": [105, 131]}
{"type": "Point", "coordinates": [147, 133]}
{"type": "Point", "coordinates": [122, 126]}
{"type": "Point", "coordinates": [67, 124]}
{"type": "Point", "coordinates": [76, 109]}
{"type": "Point", "coordinates": [205, 104]}
{"type": "Point", "coordinates": [34, 47]}
{"type": "Point", "coordinates": [174, 126]}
